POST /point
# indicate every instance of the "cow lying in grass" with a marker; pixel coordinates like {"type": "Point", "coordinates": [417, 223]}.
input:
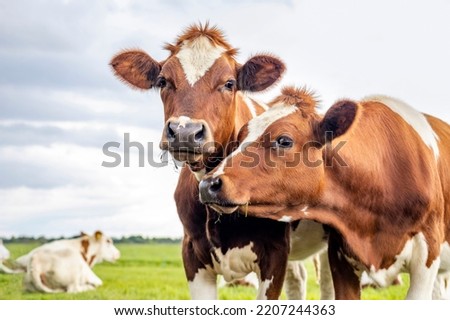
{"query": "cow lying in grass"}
{"type": "Point", "coordinates": [376, 171]}
{"type": "Point", "coordinates": [4, 255]}
{"type": "Point", "coordinates": [65, 265]}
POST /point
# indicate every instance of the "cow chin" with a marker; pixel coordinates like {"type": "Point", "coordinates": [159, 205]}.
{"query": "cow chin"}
{"type": "Point", "coordinates": [261, 209]}
{"type": "Point", "coordinates": [224, 210]}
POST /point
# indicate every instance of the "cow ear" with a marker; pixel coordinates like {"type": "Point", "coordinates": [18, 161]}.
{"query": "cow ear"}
{"type": "Point", "coordinates": [98, 235]}
{"type": "Point", "coordinates": [136, 68]}
{"type": "Point", "coordinates": [260, 72]}
{"type": "Point", "coordinates": [336, 121]}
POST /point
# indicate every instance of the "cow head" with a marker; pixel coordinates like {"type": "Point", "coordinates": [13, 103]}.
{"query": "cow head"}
{"type": "Point", "coordinates": [98, 247]}
{"type": "Point", "coordinates": [198, 84]}
{"type": "Point", "coordinates": [281, 160]}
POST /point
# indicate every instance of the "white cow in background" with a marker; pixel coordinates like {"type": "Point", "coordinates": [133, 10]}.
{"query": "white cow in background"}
{"type": "Point", "coordinates": [65, 265]}
{"type": "Point", "coordinates": [4, 255]}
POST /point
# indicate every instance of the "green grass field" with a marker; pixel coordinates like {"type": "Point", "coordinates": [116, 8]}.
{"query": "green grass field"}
{"type": "Point", "coordinates": [155, 272]}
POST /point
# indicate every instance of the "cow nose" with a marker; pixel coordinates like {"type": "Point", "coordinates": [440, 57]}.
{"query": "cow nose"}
{"type": "Point", "coordinates": [187, 132]}
{"type": "Point", "coordinates": [209, 188]}
{"type": "Point", "coordinates": [215, 185]}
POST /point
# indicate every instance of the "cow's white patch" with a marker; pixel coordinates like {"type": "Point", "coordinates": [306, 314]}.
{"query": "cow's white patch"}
{"type": "Point", "coordinates": [204, 286]}
{"type": "Point", "coordinates": [197, 56]}
{"type": "Point", "coordinates": [263, 287]}
{"type": "Point", "coordinates": [263, 105]}
{"type": "Point", "coordinates": [256, 128]}
{"type": "Point", "coordinates": [414, 118]}
{"type": "Point", "coordinates": [250, 106]}
{"type": "Point", "coordinates": [258, 125]}
{"type": "Point", "coordinates": [182, 121]}
{"type": "Point", "coordinates": [251, 279]}
{"type": "Point", "coordinates": [219, 170]}
{"type": "Point", "coordinates": [285, 219]}
{"type": "Point", "coordinates": [414, 255]}
{"type": "Point", "coordinates": [384, 277]}
{"type": "Point", "coordinates": [236, 263]}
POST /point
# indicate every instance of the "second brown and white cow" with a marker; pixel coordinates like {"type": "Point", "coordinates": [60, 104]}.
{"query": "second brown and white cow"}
{"type": "Point", "coordinates": [65, 265]}
{"type": "Point", "coordinates": [376, 171]}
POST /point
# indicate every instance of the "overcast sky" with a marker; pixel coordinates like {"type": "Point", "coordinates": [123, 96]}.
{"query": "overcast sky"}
{"type": "Point", "coordinates": [60, 103]}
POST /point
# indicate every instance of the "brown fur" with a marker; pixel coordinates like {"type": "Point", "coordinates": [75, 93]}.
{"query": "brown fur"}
{"type": "Point", "coordinates": [214, 34]}
{"type": "Point", "coordinates": [303, 98]}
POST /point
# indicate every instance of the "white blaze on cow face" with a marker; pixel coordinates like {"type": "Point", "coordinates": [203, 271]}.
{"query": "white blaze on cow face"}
{"type": "Point", "coordinates": [197, 56]}
{"type": "Point", "coordinates": [414, 118]}
{"type": "Point", "coordinates": [256, 128]}
{"type": "Point", "coordinates": [182, 121]}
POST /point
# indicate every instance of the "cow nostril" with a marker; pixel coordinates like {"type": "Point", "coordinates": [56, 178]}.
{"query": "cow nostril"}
{"type": "Point", "coordinates": [199, 134]}
{"type": "Point", "coordinates": [215, 185]}
{"type": "Point", "coordinates": [170, 132]}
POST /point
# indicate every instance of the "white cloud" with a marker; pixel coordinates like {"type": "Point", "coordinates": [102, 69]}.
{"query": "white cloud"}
{"type": "Point", "coordinates": [118, 200]}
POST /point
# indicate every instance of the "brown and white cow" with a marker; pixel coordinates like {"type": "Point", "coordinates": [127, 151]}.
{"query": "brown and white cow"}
{"type": "Point", "coordinates": [65, 265]}
{"type": "Point", "coordinates": [202, 87]}
{"type": "Point", "coordinates": [376, 171]}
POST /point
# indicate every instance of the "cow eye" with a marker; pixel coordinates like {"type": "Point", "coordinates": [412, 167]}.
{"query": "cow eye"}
{"type": "Point", "coordinates": [284, 142]}
{"type": "Point", "coordinates": [229, 85]}
{"type": "Point", "coordinates": [161, 82]}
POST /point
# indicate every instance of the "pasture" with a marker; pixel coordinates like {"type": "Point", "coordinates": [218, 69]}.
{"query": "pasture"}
{"type": "Point", "coordinates": [155, 272]}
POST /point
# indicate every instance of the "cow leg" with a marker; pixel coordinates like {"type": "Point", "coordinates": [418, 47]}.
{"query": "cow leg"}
{"type": "Point", "coordinates": [295, 281]}
{"type": "Point", "coordinates": [272, 262]}
{"type": "Point", "coordinates": [422, 278]}
{"type": "Point", "coordinates": [441, 290]}
{"type": "Point", "coordinates": [326, 279]}
{"type": "Point", "coordinates": [346, 282]}
{"type": "Point", "coordinates": [270, 288]}
{"type": "Point", "coordinates": [204, 285]}
{"type": "Point", "coordinates": [92, 279]}
{"type": "Point", "coordinates": [202, 281]}
{"type": "Point", "coordinates": [75, 288]}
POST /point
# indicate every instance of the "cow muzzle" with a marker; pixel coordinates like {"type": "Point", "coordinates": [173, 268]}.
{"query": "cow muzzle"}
{"type": "Point", "coordinates": [187, 139]}
{"type": "Point", "coordinates": [210, 194]}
